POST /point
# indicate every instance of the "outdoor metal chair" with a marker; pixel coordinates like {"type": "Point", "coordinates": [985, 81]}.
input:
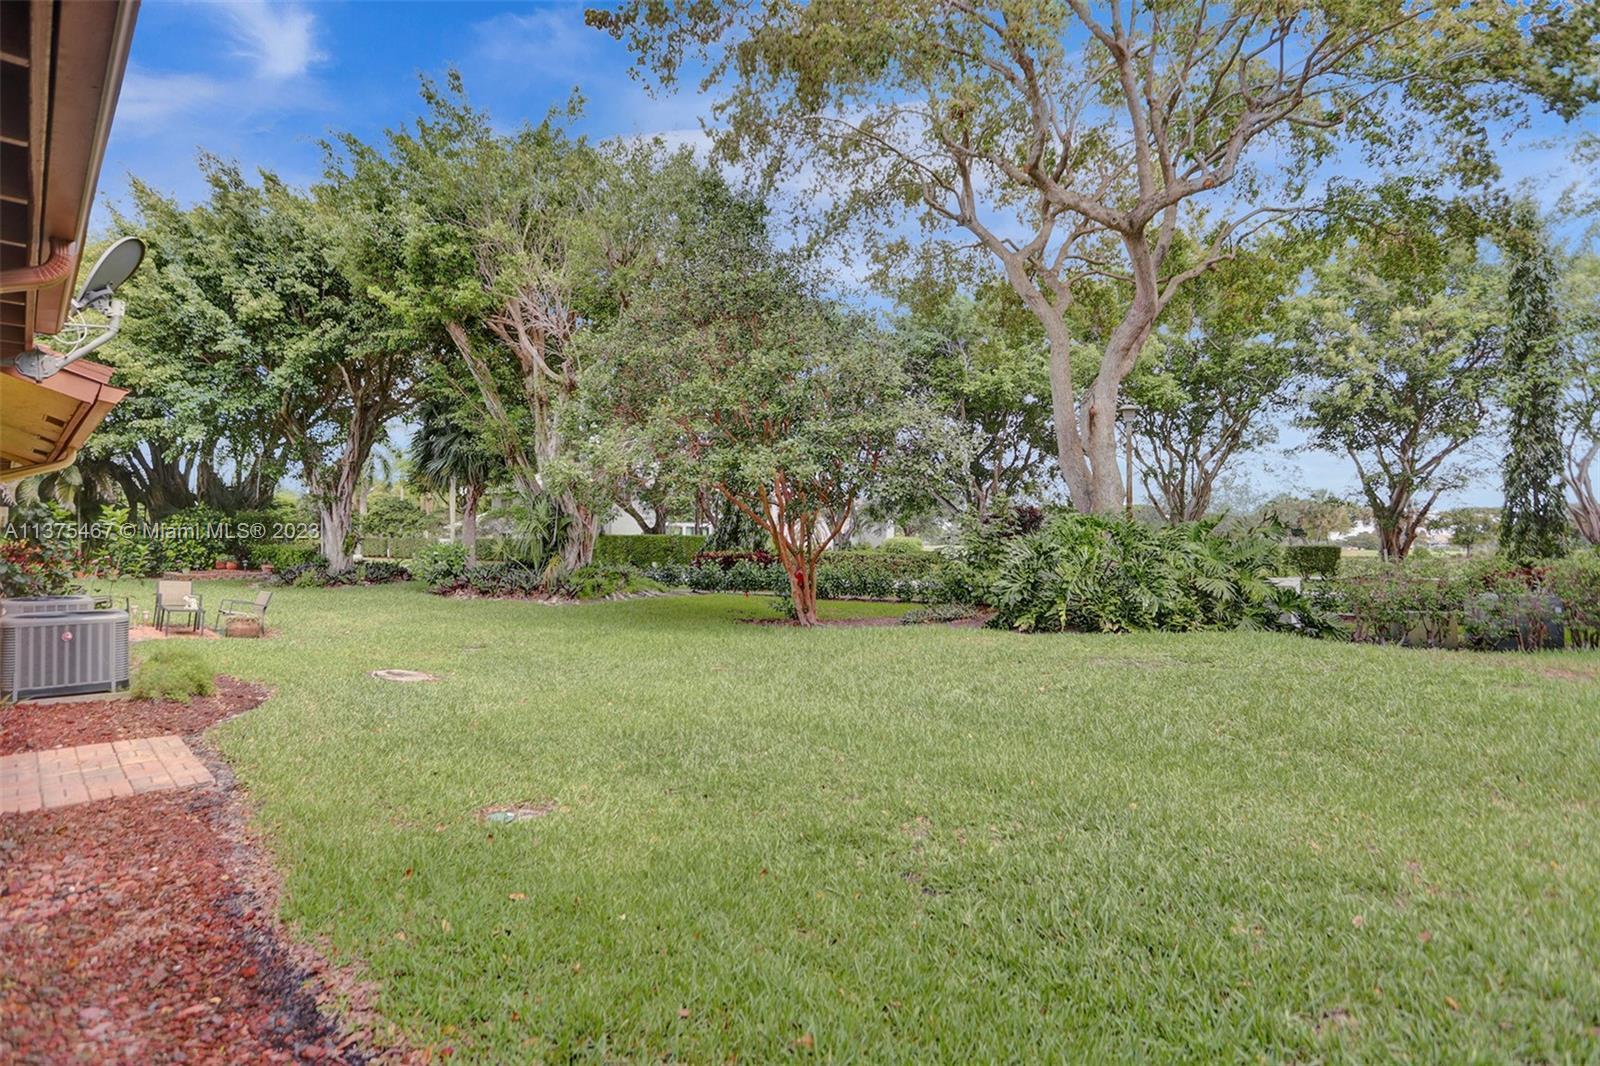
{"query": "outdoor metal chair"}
{"type": "Point", "coordinates": [178, 598]}
{"type": "Point", "coordinates": [254, 610]}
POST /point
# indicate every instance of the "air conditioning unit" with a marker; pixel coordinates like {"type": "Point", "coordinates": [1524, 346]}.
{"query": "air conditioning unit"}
{"type": "Point", "coordinates": [61, 654]}
{"type": "Point", "coordinates": [27, 606]}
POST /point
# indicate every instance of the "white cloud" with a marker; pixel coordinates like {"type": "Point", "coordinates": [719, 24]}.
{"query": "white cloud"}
{"type": "Point", "coordinates": [551, 41]}
{"type": "Point", "coordinates": [279, 39]}
{"type": "Point", "coordinates": [151, 98]}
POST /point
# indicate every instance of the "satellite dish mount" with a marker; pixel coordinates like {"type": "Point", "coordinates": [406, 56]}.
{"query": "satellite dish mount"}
{"type": "Point", "coordinates": [96, 312]}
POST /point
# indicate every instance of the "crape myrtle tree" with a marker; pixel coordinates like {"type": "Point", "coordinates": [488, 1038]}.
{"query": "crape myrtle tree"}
{"type": "Point", "coordinates": [1534, 518]}
{"type": "Point", "coordinates": [1399, 342]}
{"type": "Point", "coordinates": [1213, 377]}
{"type": "Point", "coordinates": [1078, 140]}
{"type": "Point", "coordinates": [774, 400]}
{"type": "Point", "coordinates": [1581, 300]}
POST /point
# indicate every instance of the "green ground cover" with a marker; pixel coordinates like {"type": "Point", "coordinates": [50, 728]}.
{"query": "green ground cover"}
{"type": "Point", "coordinates": [924, 843]}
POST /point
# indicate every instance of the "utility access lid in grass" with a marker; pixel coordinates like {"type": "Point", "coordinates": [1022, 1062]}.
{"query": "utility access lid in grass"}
{"type": "Point", "coordinates": [525, 812]}
{"type": "Point", "coordinates": [403, 676]}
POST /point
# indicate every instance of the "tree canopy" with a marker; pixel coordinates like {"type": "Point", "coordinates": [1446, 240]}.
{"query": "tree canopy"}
{"type": "Point", "coordinates": [1078, 141]}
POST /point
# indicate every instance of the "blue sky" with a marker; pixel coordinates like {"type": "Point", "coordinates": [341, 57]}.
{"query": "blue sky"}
{"type": "Point", "coordinates": [262, 82]}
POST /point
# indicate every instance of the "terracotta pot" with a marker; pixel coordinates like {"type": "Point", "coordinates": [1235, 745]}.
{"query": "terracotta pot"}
{"type": "Point", "coordinates": [268, 568]}
{"type": "Point", "coordinates": [231, 564]}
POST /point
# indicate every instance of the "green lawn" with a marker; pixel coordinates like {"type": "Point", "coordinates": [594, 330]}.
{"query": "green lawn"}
{"type": "Point", "coordinates": [928, 843]}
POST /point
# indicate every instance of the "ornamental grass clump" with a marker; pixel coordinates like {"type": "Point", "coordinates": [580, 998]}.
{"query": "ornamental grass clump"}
{"type": "Point", "coordinates": [1097, 574]}
{"type": "Point", "coordinates": [172, 672]}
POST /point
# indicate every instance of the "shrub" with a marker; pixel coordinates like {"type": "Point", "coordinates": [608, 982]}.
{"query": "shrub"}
{"type": "Point", "coordinates": [507, 578]}
{"type": "Point", "coordinates": [646, 549]}
{"type": "Point", "coordinates": [1098, 574]}
{"type": "Point", "coordinates": [28, 569]}
{"type": "Point", "coordinates": [903, 546]}
{"type": "Point", "coordinates": [843, 574]}
{"type": "Point", "coordinates": [439, 564]}
{"type": "Point", "coordinates": [1575, 580]}
{"type": "Point", "coordinates": [172, 672]}
{"type": "Point", "coordinates": [192, 539]}
{"type": "Point", "coordinates": [597, 581]}
{"type": "Point", "coordinates": [1399, 604]}
{"type": "Point", "coordinates": [1311, 560]}
{"type": "Point", "coordinates": [939, 612]}
{"type": "Point", "coordinates": [1505, 606]}
{"type": "Point", "coordinates": [1484, 604]}
{"type": "Point", "coordinates": [381, 572]}
{"type": "Point", "coordinates": [282, 556]}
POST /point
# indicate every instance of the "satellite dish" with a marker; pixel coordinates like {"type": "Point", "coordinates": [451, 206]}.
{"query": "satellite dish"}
{"type": "Point", "coordinates": [82, 333]}
{"type": "Point", "coordinates": [116, 265]}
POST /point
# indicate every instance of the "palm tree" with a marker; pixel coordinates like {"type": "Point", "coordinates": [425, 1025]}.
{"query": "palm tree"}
{"type": "Point", "coordinates": [447, 456]}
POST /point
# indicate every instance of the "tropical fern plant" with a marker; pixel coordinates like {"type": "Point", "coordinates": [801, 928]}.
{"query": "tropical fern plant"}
{"type": "Point", "coordinates": [1098, 574]}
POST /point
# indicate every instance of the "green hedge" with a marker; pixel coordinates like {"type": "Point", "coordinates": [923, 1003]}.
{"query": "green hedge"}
{"type": "Point", "coordinates": [1311, 560]}
{"type": "Point", "coordinates": [646, 549]}
{"type": "Point", "coordinates": [283, 556]}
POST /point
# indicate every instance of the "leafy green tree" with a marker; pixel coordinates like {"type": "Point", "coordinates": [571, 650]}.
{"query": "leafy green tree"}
{"type": "Point", "coordinates": [1317, 516]}
{"type": "Point", "coordinates": [1402, 362]}
{"type": "Point", "coordinates": [510, 245]}
{"type": "Point", "coordinates": [1533, 522]}
{"type": "Point", "coordinates": [196, 427]}
{"type": "Point", "coordinates": [285, 341]}
{"type": "Point", "coordinates": [1077, 141]}
{"type": "Point", "coordinates": [390, 515]}
{"type": "Point", "coordinates": [1211, 378]}
{"type": "Point", "coordinates": [982, 367]}
{"type": "Point", "coordinates": [770, 398]}
{"type": "Point", "coordinates": [667, 222]}
{"type": "Point", "coordinates": [1470, 527]}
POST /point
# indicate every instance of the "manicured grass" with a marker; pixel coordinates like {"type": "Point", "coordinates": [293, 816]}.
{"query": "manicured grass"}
{"type": "Point", "coordinates": [922, 843]}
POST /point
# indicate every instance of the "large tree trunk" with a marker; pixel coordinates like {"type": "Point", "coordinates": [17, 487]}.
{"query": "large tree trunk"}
{"type": "Point", "coordinates": [1584, 504]}
{"type": "Point", "coordinates": [803, 589]}
{"type": "Point", "coordinates": [1086, 432]}
{"type": "Point", "coordinates": [333, 530]}
{"type": "Point", "coordinates": [583, 526]}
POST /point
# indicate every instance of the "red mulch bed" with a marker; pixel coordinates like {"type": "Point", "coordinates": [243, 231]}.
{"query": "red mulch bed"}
{"type": "Point", "coordinates": [37, 726]}
{"type": "Point", "coordinates": [143, 929]}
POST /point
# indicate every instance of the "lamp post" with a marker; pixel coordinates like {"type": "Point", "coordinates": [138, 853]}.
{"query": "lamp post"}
{"type": "Point", "coordinates": [1126, 409]}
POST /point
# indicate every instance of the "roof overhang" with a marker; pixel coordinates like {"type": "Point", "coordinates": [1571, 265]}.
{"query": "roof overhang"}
{"type": "Point", "coordinates": [46, 422]}
{"type": "Point", "coordinates": [61, 68]}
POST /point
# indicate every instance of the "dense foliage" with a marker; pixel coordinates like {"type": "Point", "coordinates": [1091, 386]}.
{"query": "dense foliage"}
{"type": "Point", "coordinates": [1096, 574]}
{"type": "Point", "coordinates": [1534, 520]}
{"type": "Point", "coordinates": [1400, 354]}
{"type": "Point", "coordinates": [646, 549]}
{"type": "Point", "coordinates": [1489, 604]}
{"type": "Point", "coordinates": [29, 569]}
{"type": "Point", "coordinates": [1311, 560]}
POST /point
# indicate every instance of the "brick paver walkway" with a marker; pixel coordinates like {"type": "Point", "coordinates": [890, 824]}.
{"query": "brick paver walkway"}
{"type": "Point", "coordinates": [63, 776]}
